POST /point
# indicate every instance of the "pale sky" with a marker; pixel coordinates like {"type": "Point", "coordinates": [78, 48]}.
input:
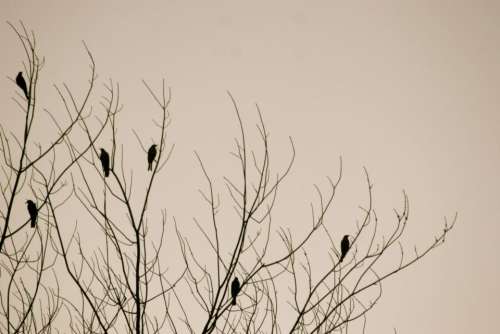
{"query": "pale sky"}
{"type": "Point", "coordinates": [408, 89]}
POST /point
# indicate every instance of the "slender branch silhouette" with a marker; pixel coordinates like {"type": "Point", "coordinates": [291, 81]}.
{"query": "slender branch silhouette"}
{"type": "Point", "coordinates": [342, 294]}
{"type": "Point", "coordinates": [246, 274]}
{"type": "Point", "coordinates": [33, 173]}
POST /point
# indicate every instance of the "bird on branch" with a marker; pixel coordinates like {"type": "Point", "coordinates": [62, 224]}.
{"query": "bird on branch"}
{"type": "Point", "coordinates": [22, 84]}
{"type": "Point", "coordinates": [104, 157]}
{"type": "Point", "coordinates": [151, 156]}
{"type": "Point", "coordinates": [33, 211]}
{"type": "Point", "coordinates": [344, 247]}
{"type": "Point", "coordinates": [235, 289]}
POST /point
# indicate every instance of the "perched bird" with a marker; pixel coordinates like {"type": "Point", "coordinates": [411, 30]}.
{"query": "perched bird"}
{"type": "Point", "coordinates": [344, 247]}
{"type": "Point", "coordinates": [22, 84]}
{"type": "Point", "coordinates": [104, 157]}
{"type": "Point", "coordinates": [151, 156]}
{"type": "Point", "coordinates": [235, 289]}
{"type": "Point", "coordinates": [32, 211]}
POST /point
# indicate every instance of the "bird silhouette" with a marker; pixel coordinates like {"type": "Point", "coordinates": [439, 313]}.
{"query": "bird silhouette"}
{"type": "Point", "coordinates": [344, 247]}
{"type": "Point", "coordinates": [32, 211]}
{"type": "Point", "coordinates": [104, 157]}
{"type": "Point", "coordinates": [22, 84]}
{"type": "Point", "coordinates": [235, 289]}
{"type": "Point", "coordinates": [151, 156]}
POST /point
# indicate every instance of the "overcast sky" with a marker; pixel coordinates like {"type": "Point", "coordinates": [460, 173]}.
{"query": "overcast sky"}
{"type": "Point", "coordinates": [409, 89]}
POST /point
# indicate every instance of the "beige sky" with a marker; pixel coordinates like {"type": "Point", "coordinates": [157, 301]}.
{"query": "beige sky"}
{"type": "Point", "coordinates": [408, 89]}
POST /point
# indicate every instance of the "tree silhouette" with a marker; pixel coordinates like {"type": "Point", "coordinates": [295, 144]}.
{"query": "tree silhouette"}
{"type": "Point", "coordinates": [125, 277]}
{"type": "Point", "coordinates": [30, 297]}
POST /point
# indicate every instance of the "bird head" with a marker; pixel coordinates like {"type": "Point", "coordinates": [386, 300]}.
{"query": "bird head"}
{"type": "Point", "coordinates": [20, 73]}
{"type": "Point", "coordinates": [154, 145]}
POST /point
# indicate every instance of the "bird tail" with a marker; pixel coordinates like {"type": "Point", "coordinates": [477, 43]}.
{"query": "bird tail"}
{"type": "Point", "coordinates": [33, 222]}
{"type": "Point", "coordinates": [150, 166]}
{"type": "Point", "coordinates": [106, 173]}
{"type": "Point", "coordinates": [234, 301]}
{"type": "Point", "coordinates": [342, 258]}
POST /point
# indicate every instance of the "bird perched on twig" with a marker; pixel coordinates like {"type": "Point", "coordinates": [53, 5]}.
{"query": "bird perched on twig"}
{"type": "Point", "coordinates": [344, 247]}
{"type": "Point", "coordinates": [235, 289]}
{"type": "Point", "coordinates": [104, 157]}
{"type": "Point", "coordinates": [151, 156]}
{"type": "Point", "coordinates": [22, 84]}
{"type": "Point", "coordinates": [32, 211]}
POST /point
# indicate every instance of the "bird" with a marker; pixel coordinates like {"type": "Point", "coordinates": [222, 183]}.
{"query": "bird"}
{"type": "Point", "coordinates": [104, 157]}
{"type": "Point", "coordinates": [32, 211]}
{"type": "Point", "coordinates": [344, 247]}
{"type": "Point", "coordinates": [235, 289]}
{"type": "Point", "coordinates": [151, 156]}
{"type": "Point", "coordinates": [22, 84]}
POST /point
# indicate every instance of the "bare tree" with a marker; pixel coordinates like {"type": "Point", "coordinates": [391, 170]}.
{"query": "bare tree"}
{"type": "Point", "coordinates": [257, 280]}
{"type": "Point", "coordinates": [322, 300]}
{"type": "Point", "coordinates": [122, 283]}
{"type": "Point", "coordinates": [34, 172]}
